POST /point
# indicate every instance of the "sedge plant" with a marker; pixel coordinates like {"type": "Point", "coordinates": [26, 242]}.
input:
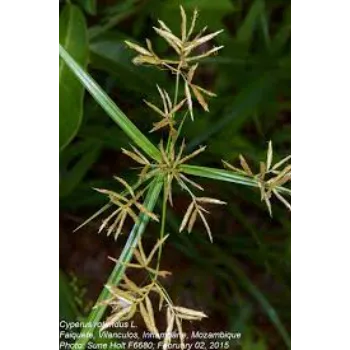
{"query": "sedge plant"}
{"type": "Point", "coordinates": [160, 169]}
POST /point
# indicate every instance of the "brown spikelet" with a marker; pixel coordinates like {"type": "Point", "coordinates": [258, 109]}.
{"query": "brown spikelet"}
{"type": "Point", "coordinates": [245, 165]}
{"type": "Point", "coordinates": [200, 98]}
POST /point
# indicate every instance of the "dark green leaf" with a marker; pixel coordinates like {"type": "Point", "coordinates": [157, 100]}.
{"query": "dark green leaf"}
{"type": "Point", "coordinates": [246, 30]}
{"type": "Point", "coordinates": [264, 22]}
{"type": "Point", "coordinates": [259, 296]}
{"type": "Point", "coordinates": [68, 307]}
{"type": "Point", "coordinates": [73, 37]}
{"type": "Point", "coordinates": [283, 35]}
{"type": "Point", "coordinates": [223, 175]}
{"type": "Point", "coordinates": [71, 178]}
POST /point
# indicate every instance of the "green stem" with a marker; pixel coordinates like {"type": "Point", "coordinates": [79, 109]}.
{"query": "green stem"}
{"type": "Point", "coordinates": [162, 227]}
{"type": "Point", "coordinates": [174, 104]}
{"type": "Point", "coordinates": [164, 206]}
{"type": "Point", "coordinates": [181, 125]}
{"type": "Point", "coordinates": [177, 87]}
{"type": "Point", "coordinates": [98, 310]}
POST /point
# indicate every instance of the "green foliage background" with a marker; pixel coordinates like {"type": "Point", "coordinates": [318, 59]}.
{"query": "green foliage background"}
{"type": "Point", "coordinates": [248, 266]}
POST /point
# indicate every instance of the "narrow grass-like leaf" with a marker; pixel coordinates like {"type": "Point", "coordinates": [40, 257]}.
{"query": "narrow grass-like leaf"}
{"type": "Point", "coordinates": [259, 296]}
{"type": "Point", "coordinates": [68, 308]}
{"type": "Point", "coordinates": [109, 106]}
{"type": "Point", "coordinates": [223, 175]}
{"type": "Point", "coordinates": [264, 25]}
{"type": "Point", "coordinates": [73, 177]}
{"type": "Point", "coordinates": [246, 30]}
{"type": "Point", "coordinates": [281, 38]}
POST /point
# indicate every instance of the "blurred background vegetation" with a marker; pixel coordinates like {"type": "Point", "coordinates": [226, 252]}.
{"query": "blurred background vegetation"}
{"type": "Point", "coordinates": [242, 281]}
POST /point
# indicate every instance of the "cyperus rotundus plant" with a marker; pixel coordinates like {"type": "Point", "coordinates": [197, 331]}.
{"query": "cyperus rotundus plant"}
{"type": "Point", "coordinates": [160, 169]}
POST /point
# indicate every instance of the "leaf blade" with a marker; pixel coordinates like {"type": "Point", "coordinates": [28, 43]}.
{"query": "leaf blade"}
{"type": "Point", "coordinates": [73, 37]}
{"type": "Point", "coordinates": [223, 175]}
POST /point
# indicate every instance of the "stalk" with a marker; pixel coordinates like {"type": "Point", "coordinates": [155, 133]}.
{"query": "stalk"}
{"type": "Point", "coordinates": [98, 310]}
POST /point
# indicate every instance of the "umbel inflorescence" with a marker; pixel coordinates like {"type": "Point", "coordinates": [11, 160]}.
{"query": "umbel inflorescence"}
{"type": "Point", "coordinates": [128, 297]}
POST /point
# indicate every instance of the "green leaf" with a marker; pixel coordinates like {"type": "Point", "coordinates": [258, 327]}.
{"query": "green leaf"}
{"type": "Point", "coordinates": [283, 35]}
{"type": "Point", "coordinates": [67, 305]}
{"type": "Point", "coordinates": [89, 6]}
{"type": "Point", "coordinates": [218, 174]}
{"type": "Point", "coordinates": [259, 296]}
{"type": "Point", "coordinates": [223, 175]}
{"type": "Point", "coordinates": [76, 174]}
{"type": "Point", "coordinates": [74, 151]}
{"type": "Point", "coordinates": [73, 37]}
{"type": "Point", "coordinates": [110, 107]}
{"type": "Point", "coordinates": [246, 30]}
{"type": "Point", "coordinates": [118, 271]}
{"type": "Point", "coordinates": [264, 23]}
